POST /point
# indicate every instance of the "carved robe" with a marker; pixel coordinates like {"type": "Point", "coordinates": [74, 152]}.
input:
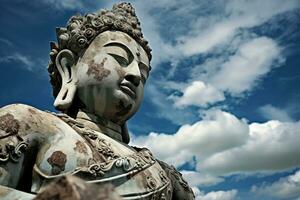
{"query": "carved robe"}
{"type": "Point", "coordinates": [37, 147]}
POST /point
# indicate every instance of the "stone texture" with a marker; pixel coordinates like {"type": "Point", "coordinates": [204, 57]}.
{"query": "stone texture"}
{"type": "Point", "coordinates": [72, 188]}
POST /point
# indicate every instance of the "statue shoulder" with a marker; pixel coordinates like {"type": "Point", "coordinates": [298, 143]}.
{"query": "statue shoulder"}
{"type": "Point", "coordinates": [19, 122]}
{"type": "Point", "coordinates": [181, 189]}
{"type": "Point", "coordinates": [24, 130]}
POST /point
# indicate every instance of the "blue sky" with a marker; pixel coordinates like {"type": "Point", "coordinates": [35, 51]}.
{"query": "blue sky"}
{"type": "Point", "coordinates": [222, 101]}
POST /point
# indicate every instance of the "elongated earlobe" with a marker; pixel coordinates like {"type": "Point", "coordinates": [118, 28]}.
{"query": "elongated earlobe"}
{"type": "Point", "coordinates": [65, 63]}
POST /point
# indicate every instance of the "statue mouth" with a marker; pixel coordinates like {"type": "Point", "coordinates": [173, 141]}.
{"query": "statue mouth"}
{"type": "Point", "coordinates": [129, 89]}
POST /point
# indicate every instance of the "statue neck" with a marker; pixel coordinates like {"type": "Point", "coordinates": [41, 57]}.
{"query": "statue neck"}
{"type": "Point", "coordinates": [100, 124]}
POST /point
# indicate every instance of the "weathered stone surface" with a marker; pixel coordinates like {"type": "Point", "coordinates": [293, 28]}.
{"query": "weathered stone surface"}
{"type": "Point", "coordinates": [72, 188]}
{"type": "Point", "coordinates": [11, 194]}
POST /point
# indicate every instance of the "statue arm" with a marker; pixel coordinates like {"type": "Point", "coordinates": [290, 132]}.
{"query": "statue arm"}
{"type": "Point", "coordinates": [19, 141]}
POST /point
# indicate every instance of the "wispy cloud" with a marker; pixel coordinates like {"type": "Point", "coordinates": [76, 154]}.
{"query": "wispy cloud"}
{"type": "Point", "coordinates": [236, 59]}
{"type": "Point", "coordinates": [6, 42]}
{"type": "Point", "coordinates": [270, 112]}
{"type": "Point", "coordinates": [203, 31]}
{"type": "Point", "coordinates": [19, 58]}
{"type": "Point", "coordinates": [31, 64]}
{"type": "Point", "coordinates": [82, 6]}
{"type": "Point", "coordinates": [286, 187]}
{"type": "Point", "coordinates": [65, 4]}
{"type": "Point", "coordinates": [252, 61]}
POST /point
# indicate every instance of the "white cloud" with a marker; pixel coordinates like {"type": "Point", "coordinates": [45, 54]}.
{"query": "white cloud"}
{"type": "Point", "coordinates": [197, 179]}
{"type": "Point", "coordinates": [252, 61]}
{"type": "Point", "coordinates": [272, 146]}
{"type": "Point", "coordinates": [206, 40]}
{"type": "Point", "coordinates": [198, 94]}
{"type": "Point", "coordinates": [271, 112]}
{"type": "Point", "coordinates": [234, 75]}
{"type": "Point", "coordinates": [165, 107]}
{"type": "Point", "coordinates": [205, 32]}
{"type": "Point", "coordinates": [36, 65]}
{"type": "Point", "coordinates": [223, 145]}
{"type": "Point", "coordinates": [217, 132]}
{"type": "Point", "coordinates": [209, 34]}
{"type": "Point", "coordinates": [218, 195]}
{"type": "Point", "coordinates": [286, 187]}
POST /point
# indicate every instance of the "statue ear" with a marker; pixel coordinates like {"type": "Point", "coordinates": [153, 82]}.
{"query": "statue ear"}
{"type": "Point", "coordinates": [65, 63]}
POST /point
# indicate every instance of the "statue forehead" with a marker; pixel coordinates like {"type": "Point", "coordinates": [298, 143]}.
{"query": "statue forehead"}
{"type": "Point", "coordinates": [123, 38]}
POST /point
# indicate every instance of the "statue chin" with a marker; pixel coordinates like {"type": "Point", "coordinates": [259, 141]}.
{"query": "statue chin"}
{"type": "Point", "coordinates": [115, 106]}
{"type": "Point", "coordinates": [126, 106]}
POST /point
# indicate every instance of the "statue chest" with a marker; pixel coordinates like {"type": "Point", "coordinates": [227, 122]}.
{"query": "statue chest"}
{"type": "Point", "coordinates": [98, 159]}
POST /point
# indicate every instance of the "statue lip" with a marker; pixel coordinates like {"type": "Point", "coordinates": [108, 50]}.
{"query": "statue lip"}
{"type": "Point", "coordinates": [128, 88]}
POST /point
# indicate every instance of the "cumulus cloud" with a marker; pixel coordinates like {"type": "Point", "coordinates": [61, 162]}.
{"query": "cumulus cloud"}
{"type": "Point", "coordinates": [223, 145]}
{"type": "Point", "coordinates": [196, 179]}
{"type": "Point", "coordinates": [217, 132]}
{"type": "Point", "coordinates": [272, 146]}
{"type": "Point", "coordinates": [286, 187]}
{"type": "Point", "coordinates": [235, 75]}
{"type": "Point", "coordinates": [165, 107]}
{"type": "Point", "coordinates": [216, 195]}
{"type": "Point", "coordinates": [198, 94]}
{"type": "Point", "coordinates": [253, 60]}
{"type": "Point", "coordinates": [270, 112]}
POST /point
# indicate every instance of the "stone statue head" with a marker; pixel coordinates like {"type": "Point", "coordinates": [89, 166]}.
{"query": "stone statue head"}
{"type": "Point", "coordinates": [100, 64]}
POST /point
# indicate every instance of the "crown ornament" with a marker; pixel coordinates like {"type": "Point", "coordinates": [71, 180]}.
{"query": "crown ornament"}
{"type": "Point", "coordinates": [81, 30]}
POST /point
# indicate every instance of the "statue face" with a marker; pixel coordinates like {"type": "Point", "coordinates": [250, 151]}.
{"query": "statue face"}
{"type": "Point", "coordinates": [111, 76]}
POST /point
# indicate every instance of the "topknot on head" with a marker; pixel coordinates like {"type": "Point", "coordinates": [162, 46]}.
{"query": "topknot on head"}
{"type": "Point", "coordinates": [81, 30]}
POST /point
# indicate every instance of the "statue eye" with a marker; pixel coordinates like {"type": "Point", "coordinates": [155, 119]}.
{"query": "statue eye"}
{"type": "Point", "coordinates": [119, 52]}
{"type": "Point", "coordinates": [144, 72]}
{"type": "Point", "coordinates": [120, 59]}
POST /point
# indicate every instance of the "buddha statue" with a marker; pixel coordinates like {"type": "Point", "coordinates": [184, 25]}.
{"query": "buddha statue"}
{"type": "Point", "coordinates": [98, 69]}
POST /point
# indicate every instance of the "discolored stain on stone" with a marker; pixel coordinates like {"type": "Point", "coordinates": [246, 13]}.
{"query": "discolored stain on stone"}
{"type": "Point", "coordinates": [98, 70]}
{"type": "Point", "coordinates": [113, 37]}
{"type": "Point", "coordinates": [57, 160]}
{"type": "Point", "coordinates": [80, 147]}
{"type": "Point", "coordinates": [32, 111]}
{"type": "Point", "coordinates": [9, 124]}
{"type": "Point", "coordinates": [122, 109]}
{"type": "Point", "coordinates": [27, 127]}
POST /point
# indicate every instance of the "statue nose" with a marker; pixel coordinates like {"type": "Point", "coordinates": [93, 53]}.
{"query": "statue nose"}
{"type": "Point", "coordinates": [135, 80]}
{"type": "Point", "coordinates": [133, 74]}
